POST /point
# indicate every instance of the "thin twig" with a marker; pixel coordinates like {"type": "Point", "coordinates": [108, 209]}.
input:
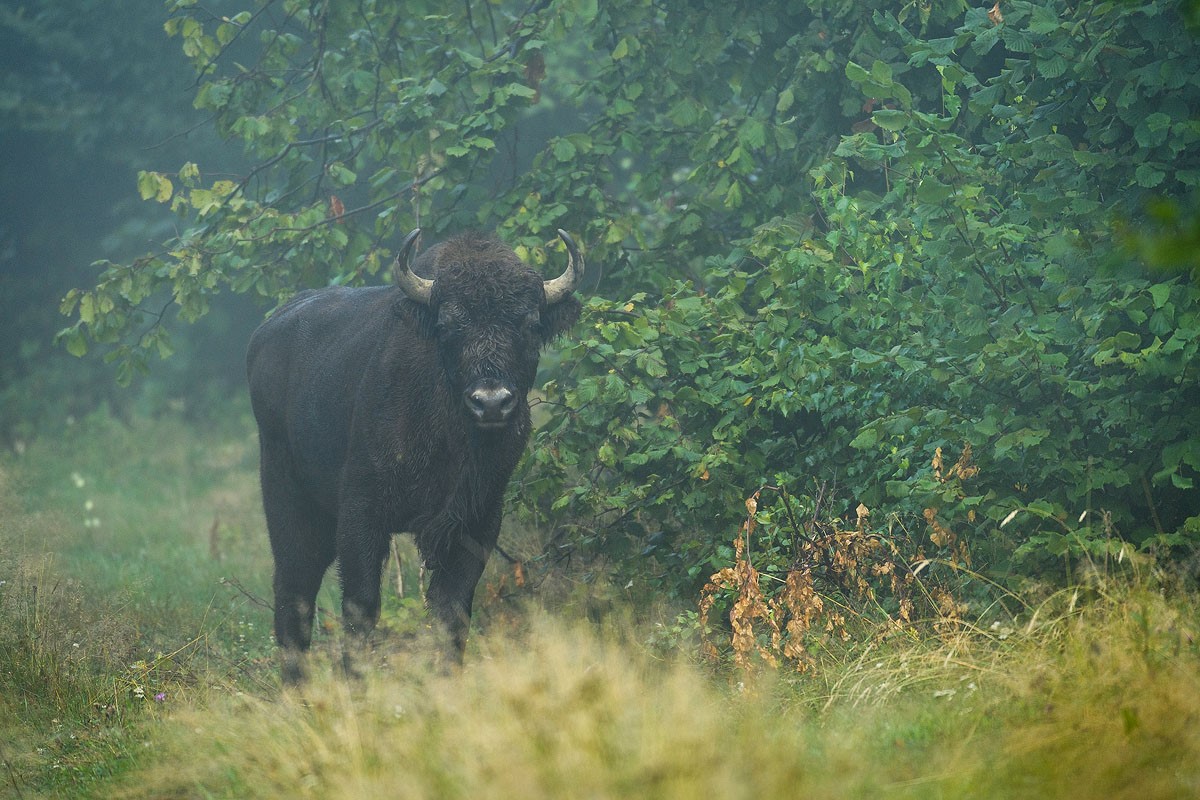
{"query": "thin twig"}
{"type": "Point", "coordinates": [253, 598]}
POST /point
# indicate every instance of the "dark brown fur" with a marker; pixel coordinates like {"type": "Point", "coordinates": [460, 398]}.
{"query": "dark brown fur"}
{"type": "Point", "coordinates": [358, 394]}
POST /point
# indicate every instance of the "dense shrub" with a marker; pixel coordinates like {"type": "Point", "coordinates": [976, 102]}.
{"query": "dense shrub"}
{"type": "Point", "coordinates": [869, 257]}
{"type": "Point", "coordinates": [947, 283]}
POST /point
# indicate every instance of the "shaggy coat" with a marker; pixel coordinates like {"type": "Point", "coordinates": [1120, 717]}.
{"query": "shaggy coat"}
{"type": "Point", "coordinates": [379, 413]}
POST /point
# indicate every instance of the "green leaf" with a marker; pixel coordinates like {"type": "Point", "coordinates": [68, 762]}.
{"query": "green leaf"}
{"type": "Point", "coordinates": [1023, 438]}
{"type": "Point", "coordinates": [690, 224]}
{"type": "Point", "coordinates": [866, 439]}
{"type": "Point", "coordinates": [881, 73]}
{"type": "Point", "coordinates": [1160, 292]}
{"type": "Point", "coordinates": [855, 73]}
{"type": "Point", "coordinates": [890, 119]}
{"type": "Point", "coordinates": [733, 198]}
{"type": "Point", "coordinates": [1051, 66]}
{"type": "Point", "coordinates": [341, 175]}
{"type": "Point", "coordinates": [865, 357]}
{"type": "Point", "coordinates": [74, 341]}
{"type": "Point", "coordinates": [933, 191]}
{"type": "Point", "coordinates": [564, 150]}
{"type": "Point", "coordinates": [1149, 175]}
{"type": "Point", "coordinates": [1152, 130]}
{"type": "Point", "coordinates": [1043, 20]}
{"type": "Point", "coordinates": [684, 113]}
{"type": "Point", "coordinates": [753, 134]}
{"type": "Point", "coordinates": [470, 59]}
{"type": "Point", "coordinates": [786, 98]}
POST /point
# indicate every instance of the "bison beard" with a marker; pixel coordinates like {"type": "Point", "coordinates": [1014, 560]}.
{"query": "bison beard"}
{"type": "Point", "coordinates": [398, 409]}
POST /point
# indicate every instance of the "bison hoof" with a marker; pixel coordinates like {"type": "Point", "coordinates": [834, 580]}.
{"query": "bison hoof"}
{"type": "Point", "coordinates": [291, 668]}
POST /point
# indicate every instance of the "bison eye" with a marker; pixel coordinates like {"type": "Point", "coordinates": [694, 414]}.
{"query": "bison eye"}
{"type": "Point", "coordinates": [450, 320]}
{"type": "Point", "coordinates": [532, 319]}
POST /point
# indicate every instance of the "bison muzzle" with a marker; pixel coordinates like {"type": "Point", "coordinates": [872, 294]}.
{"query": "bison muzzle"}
{"type": "Point", "coordinates": [395, 409]}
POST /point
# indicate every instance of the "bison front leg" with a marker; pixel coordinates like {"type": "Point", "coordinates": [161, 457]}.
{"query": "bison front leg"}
{"type": "Point", "coordinates": [362, 548]}
{"type": "Point", "coordinates": [455, 573]}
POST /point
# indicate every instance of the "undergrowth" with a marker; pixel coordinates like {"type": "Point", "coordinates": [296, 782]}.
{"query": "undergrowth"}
{"type": "Point", "coordinates": [1082, 700]}
{"type": "Point", "coordinates": [166, 688]}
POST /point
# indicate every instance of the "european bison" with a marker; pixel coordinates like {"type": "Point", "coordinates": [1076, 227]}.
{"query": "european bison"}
{"type": "Point", "coordinates": [398, 409]}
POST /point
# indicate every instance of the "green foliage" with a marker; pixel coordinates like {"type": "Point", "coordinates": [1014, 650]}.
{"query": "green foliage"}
{"type": "Point", "coordinates": [354, 112]}
{"type": "Point", "coordinates": [950, 282]}
{"type": "Point", "coordinates": [842, 243]}
{"type": "Point", "coordinates": [366, 119]}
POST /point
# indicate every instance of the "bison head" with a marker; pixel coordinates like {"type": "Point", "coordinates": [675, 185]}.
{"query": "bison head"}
{"type": "Point", "coordinates": [490, 314]}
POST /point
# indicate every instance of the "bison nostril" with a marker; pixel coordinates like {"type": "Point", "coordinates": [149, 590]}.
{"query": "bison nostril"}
{"type": "Point", "coordinates": [491, 404]}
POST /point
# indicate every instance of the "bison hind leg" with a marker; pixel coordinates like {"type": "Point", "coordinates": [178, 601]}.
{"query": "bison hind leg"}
{"type": "Point", "coordinates": [295, 607]}
{"type": "Point", "coordinates": [302, 544]}
{"type": "Point", "coordinates": [296, 587]}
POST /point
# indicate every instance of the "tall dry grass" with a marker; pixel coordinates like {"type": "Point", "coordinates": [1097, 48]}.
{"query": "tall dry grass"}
{"type": "Point", "coordinates": [1084, 701]}
{"type": "Point", "coordinates": [559, 711]}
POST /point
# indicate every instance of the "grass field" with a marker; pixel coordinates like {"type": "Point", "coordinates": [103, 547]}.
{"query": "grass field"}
{"type": "Point", "coordinates": [136, 661]}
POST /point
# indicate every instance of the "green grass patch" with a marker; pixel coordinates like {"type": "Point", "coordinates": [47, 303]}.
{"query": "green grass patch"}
{"type": "Point", "coordinates": [135, 661]}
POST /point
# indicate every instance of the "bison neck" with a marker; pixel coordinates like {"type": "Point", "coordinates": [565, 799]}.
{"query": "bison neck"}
{"type": "Point", "coordinates": [445, 478]}
{"type": "Point", "coordinates": [460, 486]}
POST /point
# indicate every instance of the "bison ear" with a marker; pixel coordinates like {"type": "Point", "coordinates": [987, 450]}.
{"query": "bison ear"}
{"type": "Point", "coordinates": [421, 317]}
{"type": "Point", "coordinates": [558, 318]}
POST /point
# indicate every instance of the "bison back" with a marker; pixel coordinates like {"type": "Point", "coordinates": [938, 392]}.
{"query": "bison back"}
{"type": "Point", "coordinates": [305, 366]}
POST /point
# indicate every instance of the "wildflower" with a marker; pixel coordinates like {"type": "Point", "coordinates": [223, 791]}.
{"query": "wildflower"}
{"type": "Point", "coordinates": [161, 696]}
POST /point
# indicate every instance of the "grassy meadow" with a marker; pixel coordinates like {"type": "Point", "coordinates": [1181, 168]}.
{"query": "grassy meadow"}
{"type": "Point", "coordinates": [136, 662]}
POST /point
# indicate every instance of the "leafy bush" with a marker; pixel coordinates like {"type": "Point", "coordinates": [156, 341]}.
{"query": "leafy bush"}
{"type": "Point", "coordinates": [847, 247]}
{"type": "Point", "coordinates": [952, 286]}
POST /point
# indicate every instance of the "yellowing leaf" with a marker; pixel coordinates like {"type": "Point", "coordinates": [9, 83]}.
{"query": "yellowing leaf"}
{"type": "Point", "coordinates": [147, 185]}
{"type": "Point", "coordinates": [156, 185]}
{"type": "Point", "coordinates": [165, 189]}
{"type": "Point", "coordinates": [87, 309]}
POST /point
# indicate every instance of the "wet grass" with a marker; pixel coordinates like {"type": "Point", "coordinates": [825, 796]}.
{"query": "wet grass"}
{"type": "Point", "coordinates": [135, 661]}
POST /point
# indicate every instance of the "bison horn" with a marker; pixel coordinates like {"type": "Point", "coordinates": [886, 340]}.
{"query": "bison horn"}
{"type": "Point", "coordinates": [417, 288]}
{"type": "Point", "coordinates": [558, 289]}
